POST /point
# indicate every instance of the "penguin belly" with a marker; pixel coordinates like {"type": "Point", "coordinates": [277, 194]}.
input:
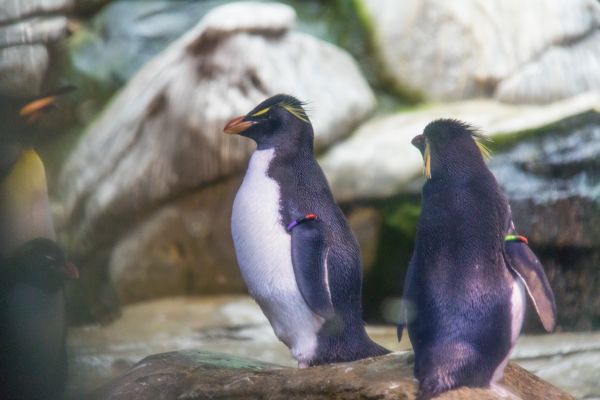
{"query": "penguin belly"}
{"type": "Point", "coordinates": [24, 204]}
{"type": "Point", "coordinates": [517, 315]}
{"type": "Point", "coordinates": [263, 249]}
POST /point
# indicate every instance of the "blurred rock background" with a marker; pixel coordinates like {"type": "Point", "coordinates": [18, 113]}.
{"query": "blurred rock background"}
{"type": "Point", "coordinates": [142, 178]}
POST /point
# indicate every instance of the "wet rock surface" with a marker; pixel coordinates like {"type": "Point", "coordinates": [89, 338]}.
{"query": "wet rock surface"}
{"type": "Point", "coordinates": [236, 326]}
{"type": "Point", "coordinates": [199, 375]}
{"type": "Point", "coordinates": [511, 51]}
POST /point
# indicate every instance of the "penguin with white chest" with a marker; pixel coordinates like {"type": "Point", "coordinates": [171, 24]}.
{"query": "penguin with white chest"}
{"type": "Point", "coordinates": [469, 270]}
{"type": "Point", "coordinates": [297, 255]}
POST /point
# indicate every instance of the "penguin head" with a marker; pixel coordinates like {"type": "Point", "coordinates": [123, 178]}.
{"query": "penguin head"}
{"type": "Point", "coordinates": [41, 263]}
{"type": "Point", "coordinates": [36, 108]}
{"type": "Point", "coordinates": [277, 121]}
{"type": "Point", "coordinates": [20, 117]}
{"type": "Point", "coordinates": [451, 147]}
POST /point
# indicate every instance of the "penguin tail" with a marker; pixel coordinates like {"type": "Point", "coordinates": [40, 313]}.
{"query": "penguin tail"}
{"type": "Point", "coordinates": [448, 366]}
{"type": "Point", "coordinates": [376, 349]}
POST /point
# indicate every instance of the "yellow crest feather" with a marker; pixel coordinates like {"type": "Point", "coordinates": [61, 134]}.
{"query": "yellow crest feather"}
{"type": "Point", "coordinates": [261, 112]}
{"type": "Point", "coordinates": [427, 160]}
{"type": "Point", "coordinates": [297, 112]}
{"type": "Point", "coordinates": [485, 151]}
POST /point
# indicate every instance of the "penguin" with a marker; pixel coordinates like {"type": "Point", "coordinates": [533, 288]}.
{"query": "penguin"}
{"type": "Point", "coordinates": [297, 255]}
{"type": "Point", "coordinates": [33, 364]}
{"type": "Point", "coordinates": [469, 272]}
{"type": "Point", "coordinates": [31, 303]}
{"type": "Point", "coordinates": [24, 205]}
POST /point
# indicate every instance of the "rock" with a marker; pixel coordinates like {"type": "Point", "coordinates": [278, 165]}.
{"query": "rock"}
{"type": "Point", "coordinates": [26, 28]}
{"type": "Point", "coordinates": [378, 160]}
{"type": "Point", "coordinates": [232, 324]}
{"type": "Point", "coordinates": [198, 375]}
{"type": "Point", "coordinates": [568, 69]}
{"type": "Point", "coordinates": [197, 84]}
{"type": "Point", "coordinates": [552, 181]}
{"type": "Point", "coordinates": [365, 223]}
{"type": "Point", "coordinates": [161, 138]}
{"type": "Point", "coordinates": [22, 70]}
{"type": "Point", "coordinates": [569, 361]}
{"type": "Point", "coordinates": [125, 35]}
{"type": "Point", "coordinates": [185, 247]}
{"type": "Point", "coordinates": [236, 325]}
{"type": "Point", "coordinates": [21, 9]}
{"type": "Point", "coordinates": [441, 50]}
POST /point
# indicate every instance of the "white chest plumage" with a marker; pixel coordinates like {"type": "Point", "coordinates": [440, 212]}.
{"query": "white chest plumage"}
{"type": "Point", "coordinates": [517, 314]}
{"type": "Point", "coordinates": [263, 249]}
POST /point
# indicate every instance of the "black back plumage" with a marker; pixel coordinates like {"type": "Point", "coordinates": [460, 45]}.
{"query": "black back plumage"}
{"type": "Point", "coordinates": [457, 278]}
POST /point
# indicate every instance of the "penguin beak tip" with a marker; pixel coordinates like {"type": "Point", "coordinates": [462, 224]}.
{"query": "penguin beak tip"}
{"type": "Point", "coordinates": [417, 141]}
{"type": "Point", "coordinates": [237, 125]}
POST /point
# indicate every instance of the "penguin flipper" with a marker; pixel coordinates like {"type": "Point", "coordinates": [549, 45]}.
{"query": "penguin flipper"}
{"type": "Point", "coordinates": [529, 269]}
{"type": "Point", "coordinates": [309, 259]}
{"type": "Point", "coordinates": [399, 329]}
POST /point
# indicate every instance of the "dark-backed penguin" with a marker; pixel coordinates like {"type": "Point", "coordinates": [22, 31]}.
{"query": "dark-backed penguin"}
{"type": "Point", "coordinates": [465, 285]}
{"type": "Point", "coordinates": [33, 361]}
{"type": "Point", "coordinates": [297, 255]}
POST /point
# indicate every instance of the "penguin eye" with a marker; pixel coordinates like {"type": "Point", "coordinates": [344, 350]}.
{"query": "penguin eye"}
{"type": "Point", "coordinates": [261, 112]}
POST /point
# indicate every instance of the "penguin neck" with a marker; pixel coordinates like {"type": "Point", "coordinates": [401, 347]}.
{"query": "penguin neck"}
{"type": "Point", "coordinates": [457, 169]}
{"type": "Point", "coordinates": [294, 139]}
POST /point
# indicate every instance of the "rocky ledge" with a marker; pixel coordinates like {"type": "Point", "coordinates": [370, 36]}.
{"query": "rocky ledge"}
{"type": "Point", "coordinates": [205, 375]}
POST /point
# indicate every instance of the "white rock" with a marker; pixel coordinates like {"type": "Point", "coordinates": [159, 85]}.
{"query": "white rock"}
{"type": "Point", "coordinates": [462, 49]}
{"type": "Point", "coordinates": [379, 161]}
{"type": "Point", "coordinates": [26, 26]}
{"type": "Point", "coordinates": [559, 72]}
{"type": "Point", "coordinates": [162, 135]}
{"type": "Point", "coordinates": [19, 9]}
{"type": "Point", "coordinates": [22, 69]}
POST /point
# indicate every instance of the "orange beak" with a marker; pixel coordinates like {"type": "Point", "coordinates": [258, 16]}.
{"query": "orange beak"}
{"type": "Point", "coordinates": [33, 111]}
{"type": "Point", "coordinates": [237, 126]}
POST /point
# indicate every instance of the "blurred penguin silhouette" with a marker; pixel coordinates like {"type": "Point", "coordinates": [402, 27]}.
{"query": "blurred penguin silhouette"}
{"type": "Point", "coordinates": [33, 268]}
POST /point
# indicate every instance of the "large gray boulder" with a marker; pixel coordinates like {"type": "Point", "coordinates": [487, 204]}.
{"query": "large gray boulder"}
{"type": "Point", "coordinates": [552, 181]}
{"type": "Point", "coordinates": [26, 29]}
{"type": "Point", "coordinates": [205, 375]}
{"type": "Point", "coordinates": [378, 161]}
{"type": "Point", "coordinates": [538, 51]}
{"type": "Point", "coordinates": [160, 139]}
